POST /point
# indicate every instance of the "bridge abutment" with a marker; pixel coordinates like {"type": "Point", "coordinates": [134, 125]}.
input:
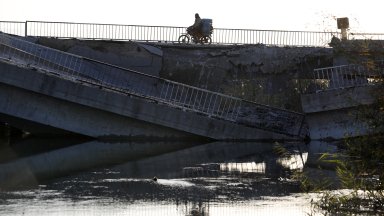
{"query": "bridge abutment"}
{"type": "Point", "coordinates": [335, 114]}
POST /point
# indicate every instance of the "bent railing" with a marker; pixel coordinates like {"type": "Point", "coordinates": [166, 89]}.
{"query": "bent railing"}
{"type": "Point", "coordinates": [344, 76]}
{"type": "Point", "coordinates": [177, 95]}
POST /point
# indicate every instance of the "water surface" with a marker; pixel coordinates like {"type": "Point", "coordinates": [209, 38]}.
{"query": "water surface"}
{"type": "Point", "coordinates": [158, 178]}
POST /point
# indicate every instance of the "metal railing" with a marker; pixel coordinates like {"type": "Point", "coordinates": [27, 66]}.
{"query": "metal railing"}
{"type": "Point", "coordinates": [344, 76]}
{"type": "Point", "coordinates": [188, 98]}
{"type": "Point", "coordinates": [103, 31]}
{"type": "Point", "coordinates": [170, 34]}
{"type": "Point", "coordinates": [15, 28]}
{"type": "Point", "coordinates": [272, 37]}
{"type": "Point", "coordinates": [365, 36]}
{"type": "Point", "coordinates": [207, 102]}
{"type": "Point", "coordinates": [166, 33]}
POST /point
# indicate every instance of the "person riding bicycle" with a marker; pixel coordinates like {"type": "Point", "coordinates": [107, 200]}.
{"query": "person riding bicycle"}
{"type": "Point", "coordinates": [195, 29]}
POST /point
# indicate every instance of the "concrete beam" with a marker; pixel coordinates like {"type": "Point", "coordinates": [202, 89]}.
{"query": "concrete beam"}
{"type": "Point", "coordinates": [99, 112]}
{"type": "Point", "coordinates": [334, 114]}
{"type": "Point", "coordinates": [337, 99]}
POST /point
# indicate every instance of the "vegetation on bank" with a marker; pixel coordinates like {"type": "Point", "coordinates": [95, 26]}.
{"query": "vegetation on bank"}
{"type": "Point", "coordinates": [360, 170]}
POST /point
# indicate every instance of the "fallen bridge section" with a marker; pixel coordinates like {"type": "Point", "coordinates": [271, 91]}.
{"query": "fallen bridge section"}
{"type": "Point", "coordinates": [335, 108]}
{"type": "Point", "coordinates": [335, 114]}
{"type": "Point", "coordinates": [72, 93]}
{"type": "Point", "coordinates": [98, 112]}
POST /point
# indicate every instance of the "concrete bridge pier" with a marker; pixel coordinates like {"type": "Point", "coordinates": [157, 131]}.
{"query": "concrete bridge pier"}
{"type": "Point", "coordinates": [334, 114]}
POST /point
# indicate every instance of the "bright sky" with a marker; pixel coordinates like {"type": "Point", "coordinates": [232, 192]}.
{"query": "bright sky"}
{"type": "Point", "coordinates": [306, 15]}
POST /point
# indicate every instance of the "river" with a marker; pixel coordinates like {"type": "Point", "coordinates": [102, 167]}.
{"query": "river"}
{"type": "Point", "coordinates": [65, 177]}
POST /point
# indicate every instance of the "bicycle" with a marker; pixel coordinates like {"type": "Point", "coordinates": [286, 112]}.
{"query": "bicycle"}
{"type": "Point", "coordinates": [202, 35]}
{"type": "Point", "coordinates": [194, 38]}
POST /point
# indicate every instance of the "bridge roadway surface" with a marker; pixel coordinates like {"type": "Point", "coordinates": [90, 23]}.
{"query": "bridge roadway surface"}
{"type": "Point", "coordinates": [42, 93]}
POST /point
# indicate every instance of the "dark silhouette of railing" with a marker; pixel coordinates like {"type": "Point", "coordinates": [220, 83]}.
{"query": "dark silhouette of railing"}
{"type": "Point", "coordinates": [168, 34]}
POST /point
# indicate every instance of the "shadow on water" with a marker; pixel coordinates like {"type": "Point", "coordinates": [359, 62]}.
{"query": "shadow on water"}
{"type": "Point", "coordinates": [34, 145]}
{"type": "Point", "coordinates": [189, 178]}
{"type": "Point", "coordinates": [43, 159]}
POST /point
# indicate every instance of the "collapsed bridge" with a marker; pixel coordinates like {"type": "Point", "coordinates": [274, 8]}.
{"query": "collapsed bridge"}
{"type": "Point", "coordinates": [46, 90]}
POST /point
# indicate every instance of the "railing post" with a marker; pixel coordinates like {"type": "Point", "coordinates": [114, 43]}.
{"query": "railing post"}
{"type": "Point", "coordinates": [26, 29]}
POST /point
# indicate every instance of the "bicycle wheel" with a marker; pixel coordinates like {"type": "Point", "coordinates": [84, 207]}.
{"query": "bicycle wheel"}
{"type": "Point", "coordinates": [184, 39]}
{"type": "Point", "coordinates": [206, 40]}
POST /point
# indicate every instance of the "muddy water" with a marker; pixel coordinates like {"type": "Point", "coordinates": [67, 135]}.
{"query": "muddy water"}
{"type": "Point", "coordinates": [156, 178]}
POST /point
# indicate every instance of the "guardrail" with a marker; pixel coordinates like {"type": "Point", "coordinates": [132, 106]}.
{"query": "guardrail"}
{"type": "Point", "coordinates": [272, 37]}
{"type": "Point", "coordinates": [104, 31]}
{"type": "Point", "coordinates": [365, 36]}
{"type": "Point", "coordinates": [344, 76]}
{"type": "Point", "coordinates": [188, 98]}
{"type": "Point", "coordinates": [166, 33]}
{"type": "Point", "coordinates": [170, 34]}
{"type": "Point", "coordinates": [15, 28]}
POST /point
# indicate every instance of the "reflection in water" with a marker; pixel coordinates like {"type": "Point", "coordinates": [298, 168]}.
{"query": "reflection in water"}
{"type": "Point", "coordinates": [31, 169]}
{"type": "Point", "coordinates": [250, 167]}
{"type": "Point", "coordinates": [295, 161]}
{"type": "Point", "coordinates": [54, 205]}
{"type": "Point", "coordinates": [220, 178]}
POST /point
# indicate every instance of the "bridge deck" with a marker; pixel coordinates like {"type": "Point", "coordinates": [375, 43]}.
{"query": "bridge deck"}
{"type": "Point", "coordinates": [151, 97]}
